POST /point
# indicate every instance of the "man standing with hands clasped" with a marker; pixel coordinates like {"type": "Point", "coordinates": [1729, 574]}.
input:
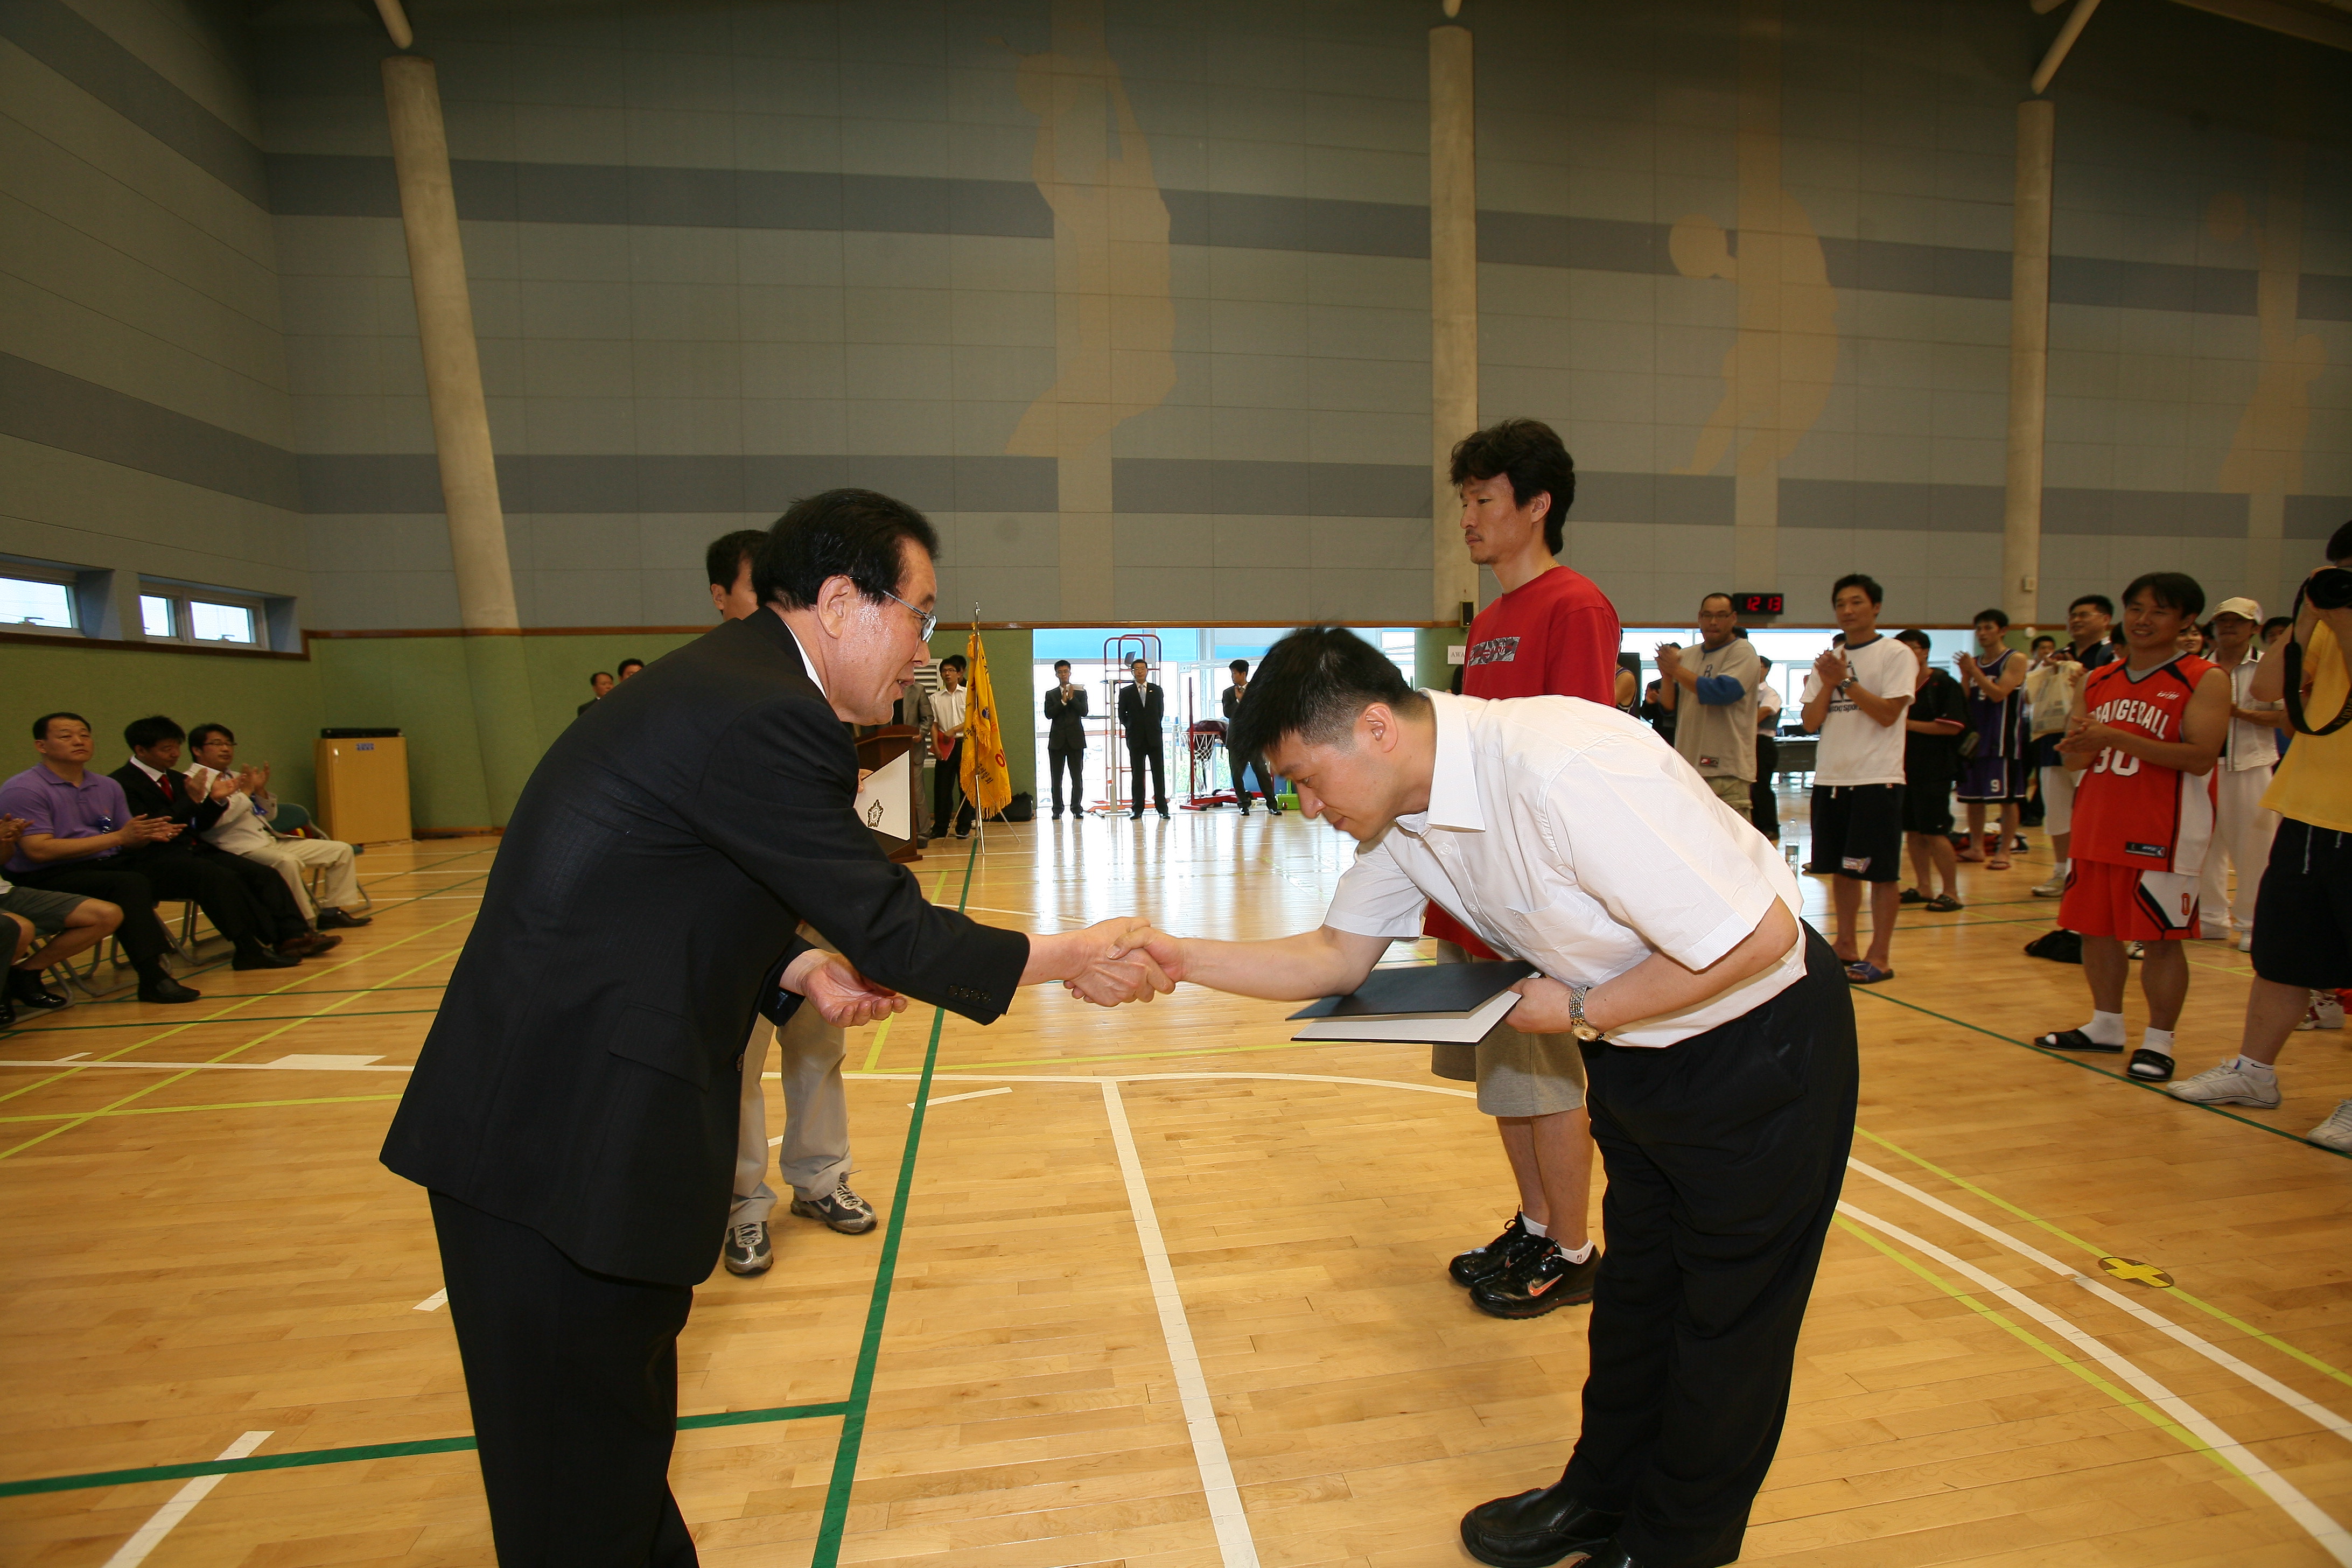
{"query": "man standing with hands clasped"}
{"type": "Point", "coordinates": [1141, 706]}
{"type": "Point", "coordinates": [1066, 738]}
{"type": "Point", "coordinates": [1855, 699]}
{"type": "Point", "coordinates": [1717, 731]}
{"type": "Point", "coordinates": [1717, 1034]}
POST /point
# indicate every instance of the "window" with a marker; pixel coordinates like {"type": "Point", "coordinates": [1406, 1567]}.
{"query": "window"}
{"type": "Point", "coordinates": [35, 603]}
{"type": "Point", "coordinates": [170, 613]}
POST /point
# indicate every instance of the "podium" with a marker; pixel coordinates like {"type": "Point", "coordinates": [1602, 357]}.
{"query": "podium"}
{"type": "Point", "coordinates": [363, 788]}
{"type": "Point", "coordinates": [878, 747]}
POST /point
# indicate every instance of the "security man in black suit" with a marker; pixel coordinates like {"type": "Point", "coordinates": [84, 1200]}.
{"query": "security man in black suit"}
{"type": "Point", "coordinates": [1140, 706]}
{"type": "Point", "coordinates": [246, 900]}
{"type": "Point", "coordinates": [1066, 737]}
{"type": "Point", "coordinates": [574, 1110]}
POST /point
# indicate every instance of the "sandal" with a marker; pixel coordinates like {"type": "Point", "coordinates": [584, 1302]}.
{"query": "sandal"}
{"type": "Point", "coordinates": [1998, 863]}
{"type": "Point", "coordinates": [1944, 903]}
{"type": "Point", "coordinates": [2074, 1040]}
{"type": "Point", "coordinates": [1912, 896]}
{"type": "Point", "coordinates": [2150, 1067]}
{"type": "Point", "coordinates": [1862, 971]}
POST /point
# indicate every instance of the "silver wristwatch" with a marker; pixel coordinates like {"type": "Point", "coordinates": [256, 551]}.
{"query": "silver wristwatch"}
{"type": "Point", "coordinates": [1576, 1023]}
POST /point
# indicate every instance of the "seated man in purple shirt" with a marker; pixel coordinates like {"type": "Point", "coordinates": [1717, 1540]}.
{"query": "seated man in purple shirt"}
{"type": "Point", "coordinates": [80, 838]}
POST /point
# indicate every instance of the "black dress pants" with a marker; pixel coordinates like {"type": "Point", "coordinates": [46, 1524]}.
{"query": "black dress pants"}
{"type": "Point", "coordinates": [1763, 801]}
{"type": "Point", "coordinates": [573, 1380]}
{"type": "Point", "coordinates": [947, 788]}
{"type": "Point", "coordinates": [1724, 1154]}
{"type": "Point", "coordinates": [218, 884]}
{"type": "Point", "coordinates": [280, 916]}
{"type": "Point", "coordinates": [140, 933]}
{"type": "Point", "coordinates": [1057, 759]}
{"type": "Point", "coordinates": [1140, 753]}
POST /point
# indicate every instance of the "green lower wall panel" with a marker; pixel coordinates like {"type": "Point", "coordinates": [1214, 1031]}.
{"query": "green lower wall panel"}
{"type": "Point", "coordinates": [1009, 656]}
{"type": "Point", "coordinates": [273, 705]}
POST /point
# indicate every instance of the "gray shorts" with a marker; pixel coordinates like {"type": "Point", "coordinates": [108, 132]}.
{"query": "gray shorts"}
{"type": "Point", "coordinates": [46, 911]}
{"type": "Point", "coordinates": [1517, 1074]}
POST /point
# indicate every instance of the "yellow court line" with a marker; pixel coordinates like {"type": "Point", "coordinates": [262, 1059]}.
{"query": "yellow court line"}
{"type": "Point", "coordinates": [175, 1109]}
{"type": "Point", "coordinates": [241, 1002]}
{"type": "Point", "coordinates": [234, 1051]}
{"type": "Point", "coordinates": [873, 1052]}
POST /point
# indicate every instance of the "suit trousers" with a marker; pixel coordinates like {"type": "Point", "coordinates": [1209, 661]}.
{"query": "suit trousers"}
{"type": "Point", "coordinates": [213, 881]}
{"type": "Point", "coordinates": [1073, 758]}
{"type": "Point", "coordinates": [1763, 804]}
{"type": "Point", "coordinates": [1724, 1154]}
{"type": "Point", "coordinates": [947, 788]}
{"type": "Point", "coordinates": [142, 934]}
{"type": "Point", "coordinates": [1243, 769]}
{"type": "Point", "coordinates": [1142, 750]}
{"type": "Point", "coordinates": [573, 1380]}
{"type": "Point", "coordinates": [2242, 831]}
{"type": "Point", "coordinates": [814, 1157]}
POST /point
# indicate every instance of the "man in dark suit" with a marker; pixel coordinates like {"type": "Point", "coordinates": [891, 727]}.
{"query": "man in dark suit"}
{"type": "Point", "coordinates": [1244, 766]}
{"type": "Point", "coordinates": [573, 1111]}
{"type": "Point", "coordinates": [1066, 737]}
{"type": "Point", "coordinates": [246, 901]}
{"type": "Point", "coordinates": [1140, 706]}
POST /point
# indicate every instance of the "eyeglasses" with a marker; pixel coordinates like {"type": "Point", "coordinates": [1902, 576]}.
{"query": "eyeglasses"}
{"type": "Point", "coordinates": [930, 618]}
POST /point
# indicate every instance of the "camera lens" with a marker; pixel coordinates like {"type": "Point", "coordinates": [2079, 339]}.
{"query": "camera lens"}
{"type": "Point", "coordinates": [2330, 588]}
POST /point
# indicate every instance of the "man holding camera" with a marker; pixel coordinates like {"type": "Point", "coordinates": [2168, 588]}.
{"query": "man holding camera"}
{"type": "Point", "coordinates": [2303, 915]}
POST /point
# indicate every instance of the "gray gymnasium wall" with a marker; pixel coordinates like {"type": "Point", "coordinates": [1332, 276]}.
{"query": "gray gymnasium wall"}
{"type": "Point", "coordinates": [144, 419]}
{"type": "Point", "coordinates": [726, 253]}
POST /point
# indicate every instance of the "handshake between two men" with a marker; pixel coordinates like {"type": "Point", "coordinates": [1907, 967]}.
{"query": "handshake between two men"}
{"type": "Point", "coordinates": [1106, 964]}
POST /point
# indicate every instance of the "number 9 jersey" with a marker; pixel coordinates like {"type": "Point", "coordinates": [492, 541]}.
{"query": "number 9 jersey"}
{"type": "Point", "coordinates": [2133, 812]}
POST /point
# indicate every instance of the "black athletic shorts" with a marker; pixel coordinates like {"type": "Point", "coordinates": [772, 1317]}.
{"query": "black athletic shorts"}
{"type": "Point", "coordinates": [1927, 804]}
{"type": "Point", "coordinates": [1858, 832]}
{"type": "Point", "coordinates": [2302, 912]}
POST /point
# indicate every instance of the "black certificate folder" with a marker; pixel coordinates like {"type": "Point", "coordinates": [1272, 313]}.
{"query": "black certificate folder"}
{"type": "Point", "coordinates": [1454, 1003]}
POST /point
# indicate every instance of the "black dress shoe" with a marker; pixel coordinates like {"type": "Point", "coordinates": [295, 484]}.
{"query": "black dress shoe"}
{"type": "Point", "coordinates": [1537, 1283]}
{"type": "Point", "coordinates": [7, 1012]}
{"type": "Point", "coordinates": [334, 920]}
{"type": "Point", "coordinates": [163, 989]}
{"type": "Point", "coordinates": [1498, 1255]}
{"type": "Point", "coordinates": [1612, 1556]}
{"type": "Point", "coordinates": [257, 957]}
{"type": "Point", "coordinates": [1536, 1528]}
{"type": "Point", "coordinates": [25, 989]}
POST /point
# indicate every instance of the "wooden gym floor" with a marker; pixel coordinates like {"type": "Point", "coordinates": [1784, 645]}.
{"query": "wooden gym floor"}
{"type": "Point", "coordinates": [1158, 1288]}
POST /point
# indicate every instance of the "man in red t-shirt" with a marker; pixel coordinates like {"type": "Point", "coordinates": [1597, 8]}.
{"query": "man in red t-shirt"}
{"type": "Point", "coordinates": [1551, 633]}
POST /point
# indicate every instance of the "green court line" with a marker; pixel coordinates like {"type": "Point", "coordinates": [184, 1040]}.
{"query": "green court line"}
{"type": "Point", "coordinates": [836, 1520]}
{"type": "Point", "coordinates": [304, 1459]}
{"type": "Point", "coordinates": [176, 1109]}
{"type": "Point", "coordinates": [2069, 1237]}
{"type": "Point", "coordinates": [2147, 1412]}
{"type": "Point", "coordinates": [2126, 1078]}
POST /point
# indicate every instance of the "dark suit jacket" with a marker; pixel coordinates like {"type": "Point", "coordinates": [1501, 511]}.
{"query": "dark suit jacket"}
{"type": "Point", "coordinates": [581, 1076]}
{"type": "Point", "coordinates": [1139, 711]}
{"type": "Point", "coordinates": [147, 799]}
{"type": "Point", "coordinates": [1065, 722]}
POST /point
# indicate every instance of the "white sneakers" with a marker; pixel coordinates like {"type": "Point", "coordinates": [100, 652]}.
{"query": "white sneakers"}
{"type": "Point", "coordinates": [2336, 1132]}
{"type": "Point", "coordinates": [2230, 1084]}
{"type": "Point", "coordinates": [2053, 889]}
{"type": "Point", "coordinates": [2325, 1012]}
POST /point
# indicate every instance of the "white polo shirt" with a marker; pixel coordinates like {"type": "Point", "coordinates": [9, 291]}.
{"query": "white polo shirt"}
{"type": "Point", "coordinates": [1569, 834]}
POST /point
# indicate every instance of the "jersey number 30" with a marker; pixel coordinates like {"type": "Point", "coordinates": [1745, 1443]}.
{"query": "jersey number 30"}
{"type": "Point", "coordinates": [2123, 764]}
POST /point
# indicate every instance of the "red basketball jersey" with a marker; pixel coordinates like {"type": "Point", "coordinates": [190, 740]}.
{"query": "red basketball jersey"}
{"type": "Point", "coordinates": [2129, 812]}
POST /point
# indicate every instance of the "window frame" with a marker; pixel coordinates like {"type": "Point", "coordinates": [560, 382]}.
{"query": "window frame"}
{"type": "Point", "coordinates": [64, 577]}
{"type": "Point", "coordinates": [183, 597]}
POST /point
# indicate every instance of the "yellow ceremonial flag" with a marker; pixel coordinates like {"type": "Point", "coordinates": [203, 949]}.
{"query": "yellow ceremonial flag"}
{"type": "Point", "coordinates": [987, 781]}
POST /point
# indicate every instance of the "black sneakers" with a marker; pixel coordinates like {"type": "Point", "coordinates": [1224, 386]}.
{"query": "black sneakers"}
{"type": "Point", "coordinates": [1496, 1256]}
{"type": "Point", "coordinates": [842, 1209]}
{"type": "Point", "coordinates": [1537, 1283]}
{"type": "Point", "coordinates": [746, 1250]}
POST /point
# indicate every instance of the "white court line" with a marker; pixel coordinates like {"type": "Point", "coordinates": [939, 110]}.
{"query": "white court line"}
{"type": "Point", "coordinates": [149, 1535]}
{"type": "Point", "coordinates": [2331, 1536]}
{"type": "Point", "coordinates": [435, 1302]}
{"type": "Point", "coordinates": [1226, 1512]}
{"type": "Point", "coordinates": [952, 1099]}
{"type": "Point", "coordinates": [2310, 1409]}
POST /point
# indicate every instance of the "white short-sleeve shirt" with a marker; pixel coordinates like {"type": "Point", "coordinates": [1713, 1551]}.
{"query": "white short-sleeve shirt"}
{"type": "Point", "coordinates": [1855, 748]}
{"type": "Point", "coordinates": [1569, 834]}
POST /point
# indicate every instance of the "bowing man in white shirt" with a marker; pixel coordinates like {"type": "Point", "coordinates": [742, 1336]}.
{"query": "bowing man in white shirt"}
{"type": "Point", "coordinates": [244, 830]}
{"type": "Point", "coordinates": [1718, 1039]}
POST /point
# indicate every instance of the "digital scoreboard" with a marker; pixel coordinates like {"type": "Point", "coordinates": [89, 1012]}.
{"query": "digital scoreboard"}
{"type": "Point", "coordinates": [1757, 604]}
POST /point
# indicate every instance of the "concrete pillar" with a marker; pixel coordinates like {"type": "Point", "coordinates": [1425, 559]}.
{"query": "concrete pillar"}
{"type": "Point", "coordinates": [503, 711]}
{"type": "Point", "coordinates": [1452, 306]}
{"type": "Point", "coordinates": [2029, 363]}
